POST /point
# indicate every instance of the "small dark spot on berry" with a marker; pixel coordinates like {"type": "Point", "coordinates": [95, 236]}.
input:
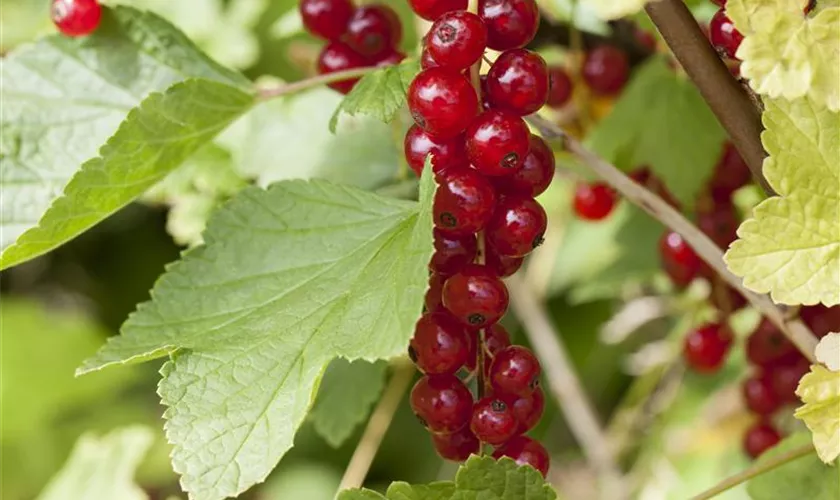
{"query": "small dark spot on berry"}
{"type": "Point", "coordinates": [373, 41]}
{"type": "Point", "coordinates": [534, 384]}
{"type": "Point", "coordinates": [418, 119]}
{"type": "Point", "coordinates": [412, 354]}
{"type": "Point", "coordinates": [448, 220]}
{"type": "Point", "coordinates": [476, 319]}
{"type": "Point", "coordinates": [539, 240]}
{"type": "Point", "coordinates": [446, 33]}
{"type": "Point", "coordinates": [422, 422]}
{"type": "Point", "coordinates": [510, 160]}
{"type": "Point", "coordinates": [498, 405]}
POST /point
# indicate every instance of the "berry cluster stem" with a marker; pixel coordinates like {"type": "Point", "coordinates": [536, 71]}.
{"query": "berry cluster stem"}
{"type": "Point", "coordinates": [266, 93]}
{"type": "Point", "coordinates": [795, 330]}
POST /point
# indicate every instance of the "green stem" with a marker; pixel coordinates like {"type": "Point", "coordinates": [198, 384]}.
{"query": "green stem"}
{"type": "Point", "coordinates": [267, 93]}
{"type": "Point", "coordinates": [756, 470]}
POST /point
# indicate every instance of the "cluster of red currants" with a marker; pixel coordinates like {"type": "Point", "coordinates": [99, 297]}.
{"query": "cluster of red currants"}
{"type": "Point", "coordinates": [489, 168]}
{"type": "Point", "coordinates": [357, 36]}
{"type": "Point", "coordinates": [76, 17]}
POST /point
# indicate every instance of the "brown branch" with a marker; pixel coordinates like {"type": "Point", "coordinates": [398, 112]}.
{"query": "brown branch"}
{"type": "Point", "coordinates": [565, 385]}
{"type": "Point", "coordinates": [728, 101]}
{"type": "Point", "coordinates": [637, 194]}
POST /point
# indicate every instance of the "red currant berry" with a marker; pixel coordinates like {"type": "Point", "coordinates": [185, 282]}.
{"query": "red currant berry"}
{"type": "Point", "coordinates": [759, 438]}
{"type": "Point", "coordinates": [645, 39]}
{"type": "Point", "coordinates": [501, 265]}
{"type": "Point", "coordinates": [457, 446]}
{"type": "Point", "coordinates": [525, 451]}
{"type": "Point", "coordinates": [76, 17]}
{"type": "Point", "coordinates": [724, 36]}
{"type": "Point", "coordinates": [678, 259]}
{"type": "Point", "coordinates": [820, 319]}
{"type": "Point", "coordinates": [433, 301]}
{"type": "Point", "coordinates": [442, 102]}
{"type": "Point", "coordinates": [759, 395]}
{"type": "Point", "coordinates": [767, 345]}
{"type": "Point", "coordinates": [496, 338]}
{"type": "Point", "coordinates": [560, 87]}
{"type": "Point", "coordinates": [445, 153]}
{"type": "Point", "coordinates": [518, 82]}
{"type": "Point", "coordinates": [326, 18]}
{"type": "Point", "coordinates": [511, 24]}
{"type": "Point", "coordinates": [493, 421]}
{"type": "Point", "coordinates": [785, 378]}
{"type": "Point", "coordinates": [475, 296]}
{"type": "Point", "coordinates": [430, 10]}
{"type": "Point", "coordinates": [720, 224]}
{"type": "Point", "coordinates": [442, 402]}
{"type": "Point", "coordinates": [452, 252]}
{"type": "Point", "coordinates": [517, 226]}
{"type": "Point", "coordinates": [515, 370]}
{"type": "Point", "coordinates": [528, 409]}
{"type": "Point", "coordinates": [391, 58]}
{"type": "Point", "coordinates": [535, 175]}
{"type": "Point", "coordinates": [594, 202]}
{"type": "Point", "coordinates": [426, 59]}
{"type": "Point", "coordinates": [497, 143]}
{"type": "Point", "coordinates": [373, 30]}
{"type": "Point", "coordinates": [706, 347]}
{"type": "Point", "coordinates": [605, 70]}
{"type": "Point", "coordinates": [440, 344]}
{"type": "Point", "coordinates": [731, 173]}
{"type": "Point", "coordinates": [336, 56]}
{"type": "Point", "coordinates": [464, 201]}
{"type": "Point", "coordinates": [457, 40]}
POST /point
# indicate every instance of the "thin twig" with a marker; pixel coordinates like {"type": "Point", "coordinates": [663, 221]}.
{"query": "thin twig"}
{"type": "Point", "coordinates": [565, 385]}
{"type": "Point", "coordinates": [794, 330]}
{"type": "Point", "coordinates": [727, 100]}
{"type": "Point", "coordinates": [756, 470]}
{"type": "Point", "coordinates": [377, 426]}
{"type": "Point", "coordinates": [315, 81]}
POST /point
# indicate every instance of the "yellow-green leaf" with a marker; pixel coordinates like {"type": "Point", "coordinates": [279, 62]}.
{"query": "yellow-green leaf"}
{"type": "Point", "coordinates": [613, 9]}
{"type": "Point", "coordinates": [820, 391]}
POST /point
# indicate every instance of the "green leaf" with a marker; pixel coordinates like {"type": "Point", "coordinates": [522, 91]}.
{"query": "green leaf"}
{"type": "Point", "coordinates": [347, 392]}
{"type": "Point", "coordinates": [613, 9]}
{"type": "Point", "coordinates": [480, 478]}
{"type": "Point", "coordinates": [791, 246]}
{"type": "Point", "coordinates": [288, 279]}
{"type": "Point", "coordinates": [788, 55]}
{"type": "Point", "coordinates": [102, 468]}
{"type": "Point", "coordinates": [679, 137]}
{"type": "Point", "coordinates": [64, 97]}
{"type": "Point", "coordinates": [379, 94]}
{"type": "Point", "coordinates": [804, 477]}
{"type": "Point", "coordinates": [819, 390]}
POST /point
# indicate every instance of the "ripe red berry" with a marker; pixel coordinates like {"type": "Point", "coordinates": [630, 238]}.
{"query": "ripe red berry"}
{"type": "Point", "coordinates": [496, 338]}
{"type": "Point", "coordinates": [528, 409]}
{"type": "Point", "coordinates": [433, 9]}
{"type": "Point", "coordinates": [720, 224]}
{"type": "Point", "coordinates": [820, 319]}
{"type": "Point", "coordinates": [517, 226]}
{"type": "Point", "coordinates": [645, 39]}
{"type": "Point", "coordinates": [731, 173]}
{"type": "Point", "coordinates": [706, 347]}
{"type": "Point", "coordinates": [337, 56]}
{"type": "Point", "coordinates": [535, 175]}
{"type": "Point", "coordinates": [442, 403]}
{"type": "Point", "coordinates": [785, 378]}
{"type": "Point", "coordinates": [464, 201]}
{"type": "Point", "coordinates": [759, 395]}
{"type": "Point", "coordinates": [493, 421]}
{"type": "Point", "coordinates": [511, 24]}
{"type": "Point", "coordinates": [759, 438]}
{"type": "Point", "coordinates": [560, 87]}
{"type": "Point", "coordinates": [426, 59]}
{"type": "Point", "coordinates": [452, 252]}
{"type": "Point", "coordinates": [594, 201]}
{"type": "Point", "coordinates": [605, 70]}
{"type": "Point", "coordinates": [501, 265]}
{"type": "Point", "coordinates": [433, 301]}
{"type": "Point", "coordinates": [76, 17]}
{"type": "Point", "coordinates": [390, 58]}
{"type": "Point", "coordinates": [767, 345]}
{"type": "Point", "coordinates": [525, 451]}
{"type": "Point", "coordinates": [326, 18]}
{"type": "Point", "coordinates": [518, 82]}
{"type": "Point", "coordinates": [679, 260]}
{"type": "Point", "coordinates": [515, 370]}
{"type": "Point", "coordinates": [457, 446]}
{"type": "Point", "coordinates": [445, 153]}
{"type": "Point", "coordinates": [373, 30]}
{"type": "Point", "coordinates": [497, 143]}
{"type": "Point", "coordinates": [440, 344]}
{"type": "Point", "coordinates": [475, 296]}
{"type": "Point", "coordinates": [724, 36]}
{"type": "Point", "coordinates": [457, 40]}
{"type": "Point", "coordinates": [442, 102]}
